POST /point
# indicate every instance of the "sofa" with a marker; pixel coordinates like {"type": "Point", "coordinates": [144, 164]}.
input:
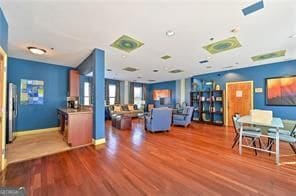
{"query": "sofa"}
{"type": "Point", "coordinates": [130, 110]}
{"type": "Point", "coordinates": [159, 119]}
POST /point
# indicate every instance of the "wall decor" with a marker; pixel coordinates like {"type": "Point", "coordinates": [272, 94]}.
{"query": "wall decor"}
{"type": "Point", "coordinates": [223, 45]}
{"type": "Point", "coordinates": [127, 43]}
{"type": "Point", "coordinates": [281, 91]}
{"type": "Point", "coordinates": [161, 94]}
{"type": "Point", "coordinates": [32, 92]}
{"type": "Point", "coordinates": [275, 54]}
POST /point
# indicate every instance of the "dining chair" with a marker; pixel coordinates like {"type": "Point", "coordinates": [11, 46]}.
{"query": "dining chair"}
{"type": "Point", "coordinates": [252, 133]}
{"type": "Point", "coordinates": [284, 136]}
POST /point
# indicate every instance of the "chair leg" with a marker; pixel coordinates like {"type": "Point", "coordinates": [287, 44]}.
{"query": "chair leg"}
{"type": "Point", "coordinates": [235, 141]}
{"type": "Point", "coordinates": [254, 145]}
{"type": "Point", "coordinates": [293, 147]}
{"type": "Point", "coordinates": [269, 143]}
{"type": "Point", "coordinates": [260, 144]}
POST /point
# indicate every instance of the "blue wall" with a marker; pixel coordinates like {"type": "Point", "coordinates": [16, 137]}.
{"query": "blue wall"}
{"type": "Point", "coordinates": [258, 75]}
{"type": "Point", "coordinates": [95, 63]}
{"type": "Point", "coordinates": [3, 31]}
{"type": "Point", "coordinates": [163, 85]}
{"type": "Point", "coordinates": [55, 79]}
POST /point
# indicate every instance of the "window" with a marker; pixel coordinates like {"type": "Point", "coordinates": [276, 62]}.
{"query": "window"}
{"type": "Point", "coordinates": [138, 96]}
{"type": "Point", "coordinates": [112, 93]}
{"type": "Point", "coordinates": [86, 93]}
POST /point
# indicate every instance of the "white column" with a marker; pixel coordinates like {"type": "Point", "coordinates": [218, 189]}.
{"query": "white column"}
{"type": "Point", "coordinates": [182, 90]}
{"type": "Point", "coordinates": [126, 91]}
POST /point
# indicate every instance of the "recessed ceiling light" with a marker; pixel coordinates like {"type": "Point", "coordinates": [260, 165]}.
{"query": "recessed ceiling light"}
{"type": "Point", "coordinates": [170, 33]}
{"type": "Point", "coordinates": [209, 57]}
{"type": "Point", "coordinates": [292, 36]}
{"type": "Point", "coordinates": [235, 30]}
{"type": "Point", "coordinates": [208, 67]}
{"type": "Point", "coordinates": [35, 50]}
{"type": "Point", "coordinates": [123, 56]}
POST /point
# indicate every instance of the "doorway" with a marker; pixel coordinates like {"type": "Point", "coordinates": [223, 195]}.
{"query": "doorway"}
{"type": "Point", "coordinates": [3, 68]}
{"type": "Point", "coordinates": [239, 99]}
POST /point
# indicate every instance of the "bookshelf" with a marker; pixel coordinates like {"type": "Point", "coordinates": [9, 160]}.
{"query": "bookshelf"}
{"type": "Point", "coordinates": [208, 106]}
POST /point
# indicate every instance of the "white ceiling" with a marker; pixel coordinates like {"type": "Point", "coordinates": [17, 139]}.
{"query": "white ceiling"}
{"type": "Point", "coordinates": [75, 27]}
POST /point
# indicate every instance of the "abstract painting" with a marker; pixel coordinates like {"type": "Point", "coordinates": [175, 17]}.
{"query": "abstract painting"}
{"type": "Point", "coordinates": [281, 91]}
{"type": "Point", "coordinates": [126, 43]}
{"type": "Point", "coordinates": [161, 94]}
{"type": "Point", "coordinates": [275, 54]}
{"type": "Point", "coordinates": [223, 45]}
{"type": "Point", "coordinates": [32, 92]}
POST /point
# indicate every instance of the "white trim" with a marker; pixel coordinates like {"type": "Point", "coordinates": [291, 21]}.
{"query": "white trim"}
{"type": "Point", "coordinates": [98, 141]}
{"type": "Point", "coordinates": [36, 131]}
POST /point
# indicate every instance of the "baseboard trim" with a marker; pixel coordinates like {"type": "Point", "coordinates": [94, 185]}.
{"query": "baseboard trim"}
{"type": "Point", "coordinates": [36, 131]}
{"type": "Point", "coordinates": [98, 141]}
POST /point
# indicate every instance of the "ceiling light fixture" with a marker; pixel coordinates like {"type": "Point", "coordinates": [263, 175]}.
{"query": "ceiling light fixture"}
{"type": "Point", "coordinates": [235, 30]}
{"type": "Point", "coordinates": [35, 50]}
{"type": "Point", "coordinates": [292, 36]}
{"type": "Point", "coordinates": [209, 57]}
{"type": "Point", "coordinates": [123, 56]}
{"type": "Point", "coordinates": [170, 33]}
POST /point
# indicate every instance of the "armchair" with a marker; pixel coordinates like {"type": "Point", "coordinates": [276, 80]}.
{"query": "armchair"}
{"type": "Point", "coordinates": [159, 119]}
{"type": "Point", "coordinates": [183, 119]}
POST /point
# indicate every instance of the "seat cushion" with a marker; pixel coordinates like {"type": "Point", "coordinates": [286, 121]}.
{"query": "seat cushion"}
{"type": "Point", "coordinates": [284, 137]}
{"type": "Point", "coordinates": [281, 131]}
{"type": "Point", "coordinates": [179, 117]}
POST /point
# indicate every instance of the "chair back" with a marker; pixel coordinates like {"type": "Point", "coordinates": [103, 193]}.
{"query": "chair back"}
{"type": "Point", "coordinates": [188, 111]}
{"type": "Point", "coordinates": [293, 132]}
{"type": "Point", "coordinates": [161, 117]}
{"type": "Point", "coordinates": [235, 122]}
{"type": "Point", "coordinates": [178, 106]}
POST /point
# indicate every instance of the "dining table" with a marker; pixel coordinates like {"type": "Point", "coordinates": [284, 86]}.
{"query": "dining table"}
{"type": "Point", "coordinates": [274, 123]}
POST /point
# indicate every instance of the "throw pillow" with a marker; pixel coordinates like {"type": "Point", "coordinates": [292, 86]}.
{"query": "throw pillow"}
{"type": "Point", "coordinates": [124, 108]}
{"type": "Point", "coordinates": [135, 107]}
{"type": "Point", "coordinates": [117, 108]}
{"type": "Point", "coordinates": [130, 107]}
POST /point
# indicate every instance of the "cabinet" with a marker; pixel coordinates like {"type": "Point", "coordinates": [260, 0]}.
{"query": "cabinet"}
{"type": "Point", "coordinates": [74, 83]}
{"type": "Point", "coordinates": [208, 106]}
{"type": "Point", "coordinates": [76, 126]}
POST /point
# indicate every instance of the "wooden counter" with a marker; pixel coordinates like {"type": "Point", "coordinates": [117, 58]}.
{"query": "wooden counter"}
{"type": "Point", "coordinates": [76, 125]}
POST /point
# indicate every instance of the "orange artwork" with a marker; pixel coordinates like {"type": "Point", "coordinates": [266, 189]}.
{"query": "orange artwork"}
{"type": "Point", "coordinates": [161, 93]}
{"type": "Point", "coordinates": [281, 91]}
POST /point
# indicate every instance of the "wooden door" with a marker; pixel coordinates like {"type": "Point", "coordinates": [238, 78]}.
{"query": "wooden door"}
{"type": "Point", "coordinates": [2, 99]}
{"type": "Point", "coordinates": [239, 99]}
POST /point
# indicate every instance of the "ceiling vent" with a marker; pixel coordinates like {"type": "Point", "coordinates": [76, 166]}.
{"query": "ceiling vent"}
{"type": "Point", "coordinates": [151, 80]}
{"type": "Point", "coordinates": [166, 57]}
{"type": "Point", "coordinates": [176, 71]}
{"type": "Point", "coordinates": [130, 69]}
{"type": "Point", "coordinates": [203, 61]}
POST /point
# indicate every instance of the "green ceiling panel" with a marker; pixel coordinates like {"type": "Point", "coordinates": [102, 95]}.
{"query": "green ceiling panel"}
{"type": "Point", "coordinates": [269, 55]}
{"type": "Point", "coordinates": [166, 57]}
{"type": "Point", "coordinates": [223, 45]}
{"type": "Point", "coordinates": [126, 43]}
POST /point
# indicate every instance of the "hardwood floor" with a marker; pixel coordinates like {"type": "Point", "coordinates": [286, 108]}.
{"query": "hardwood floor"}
{"type": "Point", "coordinates": [185, 161]}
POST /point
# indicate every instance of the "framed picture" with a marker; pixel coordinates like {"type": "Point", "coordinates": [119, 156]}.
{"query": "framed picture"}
{"type": "Point", "coordinates": [281, 91]}
{"type": "Point", "coordinates": [161, 94]}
